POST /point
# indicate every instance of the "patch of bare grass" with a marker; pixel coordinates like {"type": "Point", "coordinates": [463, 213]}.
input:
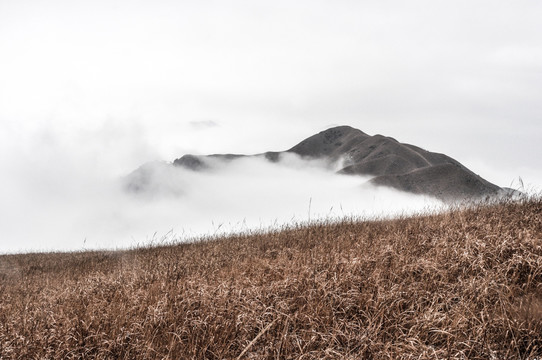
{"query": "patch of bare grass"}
{"type": "Point", "coordinates": [463, 284]}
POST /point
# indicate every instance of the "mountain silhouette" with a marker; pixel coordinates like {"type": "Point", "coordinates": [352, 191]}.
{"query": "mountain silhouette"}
{"type": "Point", "coordinates": [388, 162]}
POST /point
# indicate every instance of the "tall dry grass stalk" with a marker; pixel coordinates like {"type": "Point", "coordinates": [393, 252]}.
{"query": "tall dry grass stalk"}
{"type": "Point", "coordinates": [464, 284]}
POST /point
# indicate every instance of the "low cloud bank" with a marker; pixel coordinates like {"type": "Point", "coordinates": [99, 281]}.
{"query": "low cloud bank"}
{"type": "Point", "coordinates": [89, 212]}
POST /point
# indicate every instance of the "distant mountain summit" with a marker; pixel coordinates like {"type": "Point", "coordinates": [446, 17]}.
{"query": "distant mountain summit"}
{"type": "Point", "coordinates": [401, 166]}
{"type": "Point", "coordinates": [388, 162]}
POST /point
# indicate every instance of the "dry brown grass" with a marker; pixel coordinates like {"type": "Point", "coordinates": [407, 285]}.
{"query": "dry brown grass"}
{"type": "Point", "coordinates": [465, 284]}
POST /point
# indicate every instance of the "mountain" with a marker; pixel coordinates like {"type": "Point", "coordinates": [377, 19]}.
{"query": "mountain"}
{"type": "Point", "coordinates": [401, 166]}
{"type": "Point", "coordinates": [388, 162]}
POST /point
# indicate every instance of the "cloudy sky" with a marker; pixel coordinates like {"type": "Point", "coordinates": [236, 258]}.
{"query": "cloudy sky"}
{"type": "Point", "coordinates": [90, 90]}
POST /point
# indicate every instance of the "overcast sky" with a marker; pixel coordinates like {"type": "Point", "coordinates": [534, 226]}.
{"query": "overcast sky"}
{"type": "Point", "coordinates": [90, 90]}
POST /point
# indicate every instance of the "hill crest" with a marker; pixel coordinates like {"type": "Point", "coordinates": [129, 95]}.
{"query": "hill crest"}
{"type": "Point", "coordinates": [390, 163]}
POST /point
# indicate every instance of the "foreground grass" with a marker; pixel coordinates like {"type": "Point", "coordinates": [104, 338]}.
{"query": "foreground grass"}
{"type": "Point", "coordinates": [466, 284]}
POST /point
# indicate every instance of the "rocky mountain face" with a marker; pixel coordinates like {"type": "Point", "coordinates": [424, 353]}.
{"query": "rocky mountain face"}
{"type": "Point", "coordinates": [388, 162]}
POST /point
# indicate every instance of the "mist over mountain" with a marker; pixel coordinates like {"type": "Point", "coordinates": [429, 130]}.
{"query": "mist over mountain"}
{"type": "Point", "coordinates": [382, 160]}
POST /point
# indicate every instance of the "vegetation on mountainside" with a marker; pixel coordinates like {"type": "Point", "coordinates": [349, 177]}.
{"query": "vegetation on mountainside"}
{"type": "Point", "coordinates": [464, 284]}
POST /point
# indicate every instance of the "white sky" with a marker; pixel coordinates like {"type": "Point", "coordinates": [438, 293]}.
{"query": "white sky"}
{"type": "Point", "coordinates": [92, 89]}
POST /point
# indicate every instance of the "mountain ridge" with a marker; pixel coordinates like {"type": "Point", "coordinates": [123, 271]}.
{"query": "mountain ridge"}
{"type": "Point", "coordinates": [390, 163]}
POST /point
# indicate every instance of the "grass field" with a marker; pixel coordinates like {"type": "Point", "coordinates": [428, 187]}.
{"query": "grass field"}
{"type": "Point", "coordinates": [463, 284]}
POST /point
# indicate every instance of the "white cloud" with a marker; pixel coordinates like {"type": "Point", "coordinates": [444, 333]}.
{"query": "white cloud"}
{"type": "Point", "coordinates": [203, 124]}
{"type": "Point", "coordinates": [117, 84]}
{"type": "Point", "coordinates": [235, 196]}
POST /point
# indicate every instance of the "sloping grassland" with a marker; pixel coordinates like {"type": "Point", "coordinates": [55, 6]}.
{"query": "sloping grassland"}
{"type": "Point", "coordinates": [465, 284]}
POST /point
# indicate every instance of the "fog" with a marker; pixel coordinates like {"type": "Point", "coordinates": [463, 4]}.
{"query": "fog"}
{"type": "Point", "coordinates": [69, 207]}
{"type": "Point", "coordinates": [89, 91]}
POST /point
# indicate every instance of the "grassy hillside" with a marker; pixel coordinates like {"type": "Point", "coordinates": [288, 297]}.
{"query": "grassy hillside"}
{"type": "Point", "coordinates": [466, 284]}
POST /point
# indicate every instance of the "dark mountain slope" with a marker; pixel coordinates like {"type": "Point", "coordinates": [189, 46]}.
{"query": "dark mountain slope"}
{"type": "Point", "coordinates": [401, 166]}
{"type": "Point", "coordinates": [444, 181]}
{"type": "Point", "coordinates": [332, 143]}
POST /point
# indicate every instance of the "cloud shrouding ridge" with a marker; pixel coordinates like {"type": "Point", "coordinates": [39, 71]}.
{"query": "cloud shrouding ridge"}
{"type": "Point", "coordinates": [241, 195]}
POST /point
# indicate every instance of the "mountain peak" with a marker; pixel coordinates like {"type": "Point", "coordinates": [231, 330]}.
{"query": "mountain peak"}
{"type": "Point", "coordinates": [329, 143]}
{"type": "Point", "coordinates": [388, 162]}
